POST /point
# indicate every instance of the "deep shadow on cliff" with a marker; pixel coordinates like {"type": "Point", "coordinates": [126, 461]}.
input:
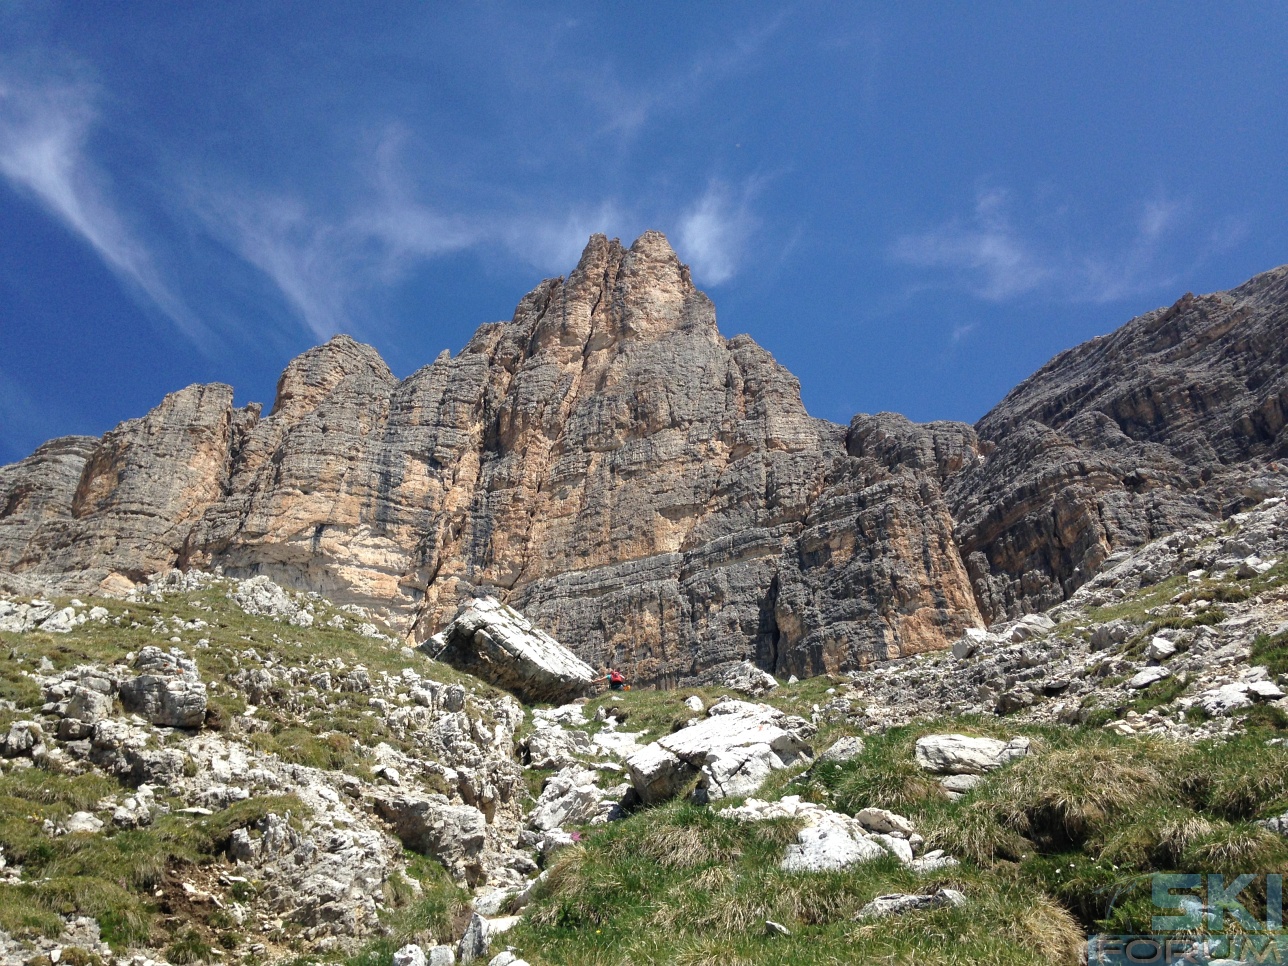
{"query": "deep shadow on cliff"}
{"type": "Point", "coordinates": [656, 495]}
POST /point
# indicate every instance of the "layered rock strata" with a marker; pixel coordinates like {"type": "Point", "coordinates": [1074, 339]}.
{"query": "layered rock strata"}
{"type": "Point", "coordinates": [500, 645]}
{"type": "Point", "coordinates": [655, 496]}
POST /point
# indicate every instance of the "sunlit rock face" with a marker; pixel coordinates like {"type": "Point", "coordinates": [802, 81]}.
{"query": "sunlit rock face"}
{"type": "Point", "coordinates": [1177, 417]}
{"type": "Point", "coordinates": [655, 495]}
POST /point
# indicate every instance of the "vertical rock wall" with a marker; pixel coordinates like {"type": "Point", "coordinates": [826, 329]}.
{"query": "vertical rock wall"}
{"type": "Point", "coordinates": [656, 495]}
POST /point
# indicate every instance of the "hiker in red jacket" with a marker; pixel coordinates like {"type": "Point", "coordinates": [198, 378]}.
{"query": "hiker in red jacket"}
{"type": "Point", "coordinates": [616, 680]}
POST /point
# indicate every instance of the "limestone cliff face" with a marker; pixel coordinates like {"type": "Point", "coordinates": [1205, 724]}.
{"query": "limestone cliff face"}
{"type": "Point", "coordinates": [651, 493]}
{"type": "Point", "coordinates": [1179, 416]}
{"type": "Point", "coordinates": [655, 495]}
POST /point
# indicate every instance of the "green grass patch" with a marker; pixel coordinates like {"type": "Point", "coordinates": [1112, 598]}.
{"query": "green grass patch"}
{"type": "Point", "coordinates": [1155, 696]}
{"type": "Point", "coordinates": [299, 746]}
{"type": "Point", "coordinates": [1085, 821]}
{"type": "Point", "coordinates": [1180, 621]}
{"type": "Point", "coordinates": [1216, 593]}
{"type": "Point", "coordinates": [1135, 607]}
{"type": "Point", "coordinates": [1272, 651]}
{"type": "Point", "coordinates": [109, 875]}
{"type": "Point", "coordinates": [434, 911]}
{"type": "Point", "coordinates": [683, 884]}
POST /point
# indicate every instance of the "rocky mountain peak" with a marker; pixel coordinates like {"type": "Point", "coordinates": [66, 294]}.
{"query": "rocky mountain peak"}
{"type": "Point", "coordinates": [314, 374]}
{"type": "Point", "coordinates": [617, 296]}
{"type": "Point", "coordinates": [656, 496]}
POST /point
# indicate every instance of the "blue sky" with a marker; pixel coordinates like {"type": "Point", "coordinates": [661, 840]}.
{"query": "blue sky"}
{"type": "Point", "coordinates": [912, 205]}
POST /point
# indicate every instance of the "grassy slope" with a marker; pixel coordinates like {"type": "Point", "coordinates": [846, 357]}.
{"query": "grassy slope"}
{"type": "Point", "coordinates": [121, 877]}
{"type": "Point", "coordinates": [1052, 847]}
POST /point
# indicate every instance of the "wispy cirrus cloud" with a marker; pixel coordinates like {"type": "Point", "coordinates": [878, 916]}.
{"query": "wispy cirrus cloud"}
{"type": "Point", "coordinates": [551, 241]}
{"type": "Point", "coordinates": [985, 252]}
{"type": "Point", "coordinates": [328, 253]}
{"type": "Point", "coordinates": [714, 232]}
{"type": "Point", "coordinates": [44, 130]}
{"type": "Point", "coordinates": [626, 108]}
{"type": "Point", "coordinates": [325, 267]}
{"type": "Point", "coordinates": [997, 257]}
{"type": "Point", "coordinates": [325, 262]}
{"type": "Point", "coordinates": [1136, 267]}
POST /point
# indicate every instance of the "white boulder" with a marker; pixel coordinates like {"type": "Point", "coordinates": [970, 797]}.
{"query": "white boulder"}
{"type": "Point", "coordinates": [570, 797]}
{"type": "Point", "coordinates": [500, 645]}
{"type": "Point", "coordinates": [966, 755]}
{"type": "Point", "coordinates": [843, 749]}
{"type": "Point", "coordinates": [1147, 676]}
{"type": "Point", "coordinates": [823, 848]}
{"type": "Point", "coordinates": [731, 753]}
{"type": "Point", "coordinates": [898, 902]}
{"type": "Point", "coordinates": [409, 955]}
{"type": "Point", "coordinates": [746, 678]}
{"type": "Point", "coordinates": [453, 834]}
{"type": "Point", "coordinates": [167, 690]}
{"type": "Point", "coordinates": [881, 820]}
{"type": "Point", "coordinates": [1160, 649]}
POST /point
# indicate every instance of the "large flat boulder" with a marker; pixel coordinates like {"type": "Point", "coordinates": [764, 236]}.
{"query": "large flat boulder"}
{"type": "Point", "coordinates": [967, 755]}
{"type": "Point", "coordinates": [498, 644]}
{"type": "Point", "coordinates": [829, 840]}
{"type": "Point", "coordinates": [731, 753]}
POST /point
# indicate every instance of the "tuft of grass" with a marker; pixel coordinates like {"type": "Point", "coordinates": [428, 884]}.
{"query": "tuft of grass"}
{"type": "Point", "coordinates": [73, 793]}
{"type": "Point", "coordinates": [1272, 651]}
{"type": "Point", "coordinates": [299, 746]}
{"type": "Point", "coordinates": [1180, 621]}
{"type": "Point", "coordinates": [434, 911]}
{"type": "Point", "coordinates": [1156, 836]}
{"type": "Point", "coordinates": [1066, 795]}
{"type": "Point", "coordinates": [37, 908]}
{"type": "Point", "coordinates": [973, 832]}
{"type": "Point", "coordinates": [1233, 848]}
{"type": "Point", "coordinates": [694, 837]}
{"type": "Point", "coordinates": [1241, 778]}
{"type": "Point", "coordinates": [1263, 717]}
{"type": "Point", "coordinates": [188, 946]}
{"type": "Point", "coordinates": [1216, 592]}
{"type": "Point", "coordinates": [1135, 608]}
{"type": "Point", "coordinates": [679, 883]}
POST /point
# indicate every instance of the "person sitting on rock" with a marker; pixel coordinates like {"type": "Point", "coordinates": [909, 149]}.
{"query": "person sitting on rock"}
{"type": "Point", "coordinates": [616, 680]}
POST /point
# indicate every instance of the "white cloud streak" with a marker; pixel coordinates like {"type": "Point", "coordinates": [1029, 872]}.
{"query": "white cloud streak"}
{"type": "Point", "coordinates": [627, 109]}
{"type": "Point", "coordinates": [1134, 269]}
{"type": "Point", "coordinates": [553, 241]}
{"type": "Point", "coordinates": [713, 234]}
{"type": "Point", "coordinates": [43, 133]}
{"type": "Point", "coordinates": [325, 266]}
{"type": "Point", "coordinates": [995, 259]}
{"type": "Point", "coordinates": [985, 252]}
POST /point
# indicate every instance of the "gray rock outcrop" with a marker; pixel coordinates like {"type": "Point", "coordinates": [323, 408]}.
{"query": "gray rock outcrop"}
{"type": "Point", "coordinates": [966, 755]}
{"type": "Point", "coordinates": [454, 834]}
{"type": "Point", "coordinates": [167, 690]}
{"type": "Point", "coordinates": [896, 903]}
{"type": "Point", "coordinates": [731, 752]}
{"type": "Point", "coordinates": [498, 644]}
